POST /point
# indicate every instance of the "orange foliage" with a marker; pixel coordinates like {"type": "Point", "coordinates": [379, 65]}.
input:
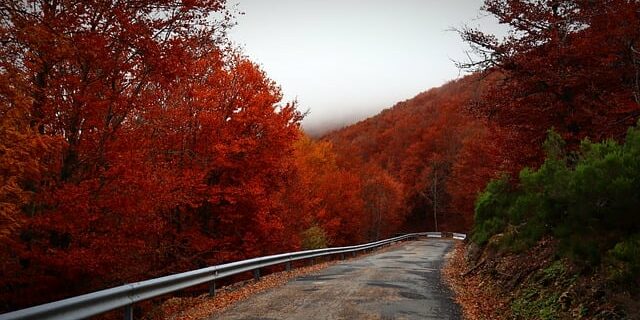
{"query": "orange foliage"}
{"type": "Point", "coordinates": [323, 194]}
{"type": "Point", "coordinates": [24, 155]}
{"type": "Point", "coordinates": [351, 202]}
{"type": "Point", "coordinates": [384, 207]}
{"type": "Point", "coordinates": [133, 146]}
{"type": "Point", "coordinates": [439, 154]}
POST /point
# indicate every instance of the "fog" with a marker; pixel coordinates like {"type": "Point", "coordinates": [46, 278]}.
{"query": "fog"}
{"type": "Point", "coordinates": [346, 60]}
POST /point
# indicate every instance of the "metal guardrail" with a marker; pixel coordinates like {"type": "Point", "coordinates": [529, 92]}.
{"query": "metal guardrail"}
{"type": "Point", "coordinates": [95, 303]}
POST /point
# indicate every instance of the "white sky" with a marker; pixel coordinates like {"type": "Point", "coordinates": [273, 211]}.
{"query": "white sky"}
{"type": "Point", "coordinates": [345, 60]}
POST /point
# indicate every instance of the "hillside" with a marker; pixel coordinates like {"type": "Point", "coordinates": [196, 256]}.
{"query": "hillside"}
{"type": "Point", "coordinates": [134, 134]}
{"type": "Point", "coordinates": [536, 154]}
{"type": "Point", "coordinates": [433, 145]}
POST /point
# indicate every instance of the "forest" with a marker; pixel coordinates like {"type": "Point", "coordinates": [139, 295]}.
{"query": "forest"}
{"type": "Point", "coordinates": [136, 141]}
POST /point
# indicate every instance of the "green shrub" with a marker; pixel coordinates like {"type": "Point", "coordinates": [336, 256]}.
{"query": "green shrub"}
{"type": "Point", "coordinates": [534, 303]}
{"type": "Point", "coordinates": [554, 271]}
{"type": "Point", "coordinates": [490, 208]}
{"type": "Point", "coordinates": [588, 200]}
{"type": "Point", "coordinates": [623, 260]}
{"type": "Point", "coordinates": [314, 238]}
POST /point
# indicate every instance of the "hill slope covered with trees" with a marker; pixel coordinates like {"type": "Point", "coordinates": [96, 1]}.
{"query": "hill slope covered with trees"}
{"type": "Point", "coordinates": [137, 142]}
{"type": "Point", "coordinates": [567, 72]}
{"type": "Point", "coordinates": [440, 153]}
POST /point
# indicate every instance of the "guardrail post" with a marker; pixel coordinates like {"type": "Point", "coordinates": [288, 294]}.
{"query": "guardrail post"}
{"type": "Point", "coordinates": [256, 274]}
{"type": "Point", "coordinates": [288, 266]}
{"type": "Point", "coordinates": [212, 289]}
{"type": "Point", "coordinates": [128, 312]}
{"type": "Point", "coordinates": [342, 256]}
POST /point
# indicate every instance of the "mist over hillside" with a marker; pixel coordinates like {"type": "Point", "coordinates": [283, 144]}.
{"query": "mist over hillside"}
{"type": "Point", "coordinates": [316, 128]}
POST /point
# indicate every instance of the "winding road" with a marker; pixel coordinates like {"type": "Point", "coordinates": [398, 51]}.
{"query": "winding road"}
{"type": "Point", "coordinates": [401, 282]}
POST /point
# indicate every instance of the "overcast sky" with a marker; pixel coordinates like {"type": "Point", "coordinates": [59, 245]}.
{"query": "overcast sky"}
{"type": "Point", "coordinates": [345, 60]}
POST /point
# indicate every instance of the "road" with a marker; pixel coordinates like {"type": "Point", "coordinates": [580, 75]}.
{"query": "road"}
{"type": "Point", "coordinates": [401, 282]}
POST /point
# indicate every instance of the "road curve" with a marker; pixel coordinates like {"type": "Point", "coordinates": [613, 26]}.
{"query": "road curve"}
{"type": "Point", "coordinates": [402, 282]}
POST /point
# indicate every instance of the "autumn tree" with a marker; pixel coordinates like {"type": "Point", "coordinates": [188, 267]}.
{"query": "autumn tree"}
{"type": "Point", "coordinates": [438, 152]}
{"type": "Point", "coordinates": [428, 165]}
{"type": "Point", "coordinates": [325, 195]}
{"type": "Point", "coordinates": [570, 64]}
{"type": "Point", "coordinates": [132, 137]}
{"type": "Point", "coordinates": [23, 155]}
{"type": "Point", "coordinates": [479, 160]}
{"type": "Point", "coordinates": [383, 202]}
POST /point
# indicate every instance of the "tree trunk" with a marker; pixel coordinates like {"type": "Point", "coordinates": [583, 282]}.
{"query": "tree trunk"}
{"type": "Point", "coordinates": [435, 200]}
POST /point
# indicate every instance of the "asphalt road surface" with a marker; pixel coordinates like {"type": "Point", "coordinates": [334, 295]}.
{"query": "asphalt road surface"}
{"type": "Point", "coordinates": [401, 282]}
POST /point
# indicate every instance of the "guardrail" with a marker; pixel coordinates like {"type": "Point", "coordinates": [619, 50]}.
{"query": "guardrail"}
{"type": "Point", "coordinates": [95, 303]}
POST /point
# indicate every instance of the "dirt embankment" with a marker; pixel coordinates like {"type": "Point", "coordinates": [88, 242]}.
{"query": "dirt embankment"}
{"type": "Point", "coordinates": [534, 284]}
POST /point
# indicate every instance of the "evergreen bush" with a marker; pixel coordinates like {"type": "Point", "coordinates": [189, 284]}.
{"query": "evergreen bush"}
{"type": "Point", "coordinates": [589, 200]}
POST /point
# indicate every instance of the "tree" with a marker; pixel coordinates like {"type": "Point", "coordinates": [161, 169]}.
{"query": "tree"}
{"type": "Point", "coordinates": [382, 196]}
{"type": "Point", "coordinates": [166, 147]}
{"type": "Point", "coordinates": [570, 64]}
{"type": "Point", "coordinates": [25, 155]}
{"type": "Point", "coordinates": [479, 160]}
{"type": "Point", "coordinates": [324, 195]}
{"type": "Point", "coordinates": [438, 152]}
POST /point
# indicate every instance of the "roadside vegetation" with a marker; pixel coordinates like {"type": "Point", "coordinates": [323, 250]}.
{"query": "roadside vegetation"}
{"type": "Point", "coordinates": [134, 134]}
{"type": "Point", "coordinates": [587, 200]}
{"type": "Point", "coordinates": [561, 241]}
{"type": "Point", "coordinates": [556, 233]}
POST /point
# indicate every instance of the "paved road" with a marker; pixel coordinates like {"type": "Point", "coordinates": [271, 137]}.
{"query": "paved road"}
{"type": "Point", "coordinates": [402, 282]}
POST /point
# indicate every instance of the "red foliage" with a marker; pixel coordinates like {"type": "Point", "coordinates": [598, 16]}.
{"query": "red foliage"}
{"type": "Point", "coordinates": [383, 202]}
{"type": "Point", "coordinates": [438, 155]}
{"type": "Point", "coordinates": [173, 148]}
{"type": "Point", "coordinates": [134, 145]}
{"type": "Point", "coordinates": [322, 193]}
{"type": "Point", "coordinates": [571, 65]}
